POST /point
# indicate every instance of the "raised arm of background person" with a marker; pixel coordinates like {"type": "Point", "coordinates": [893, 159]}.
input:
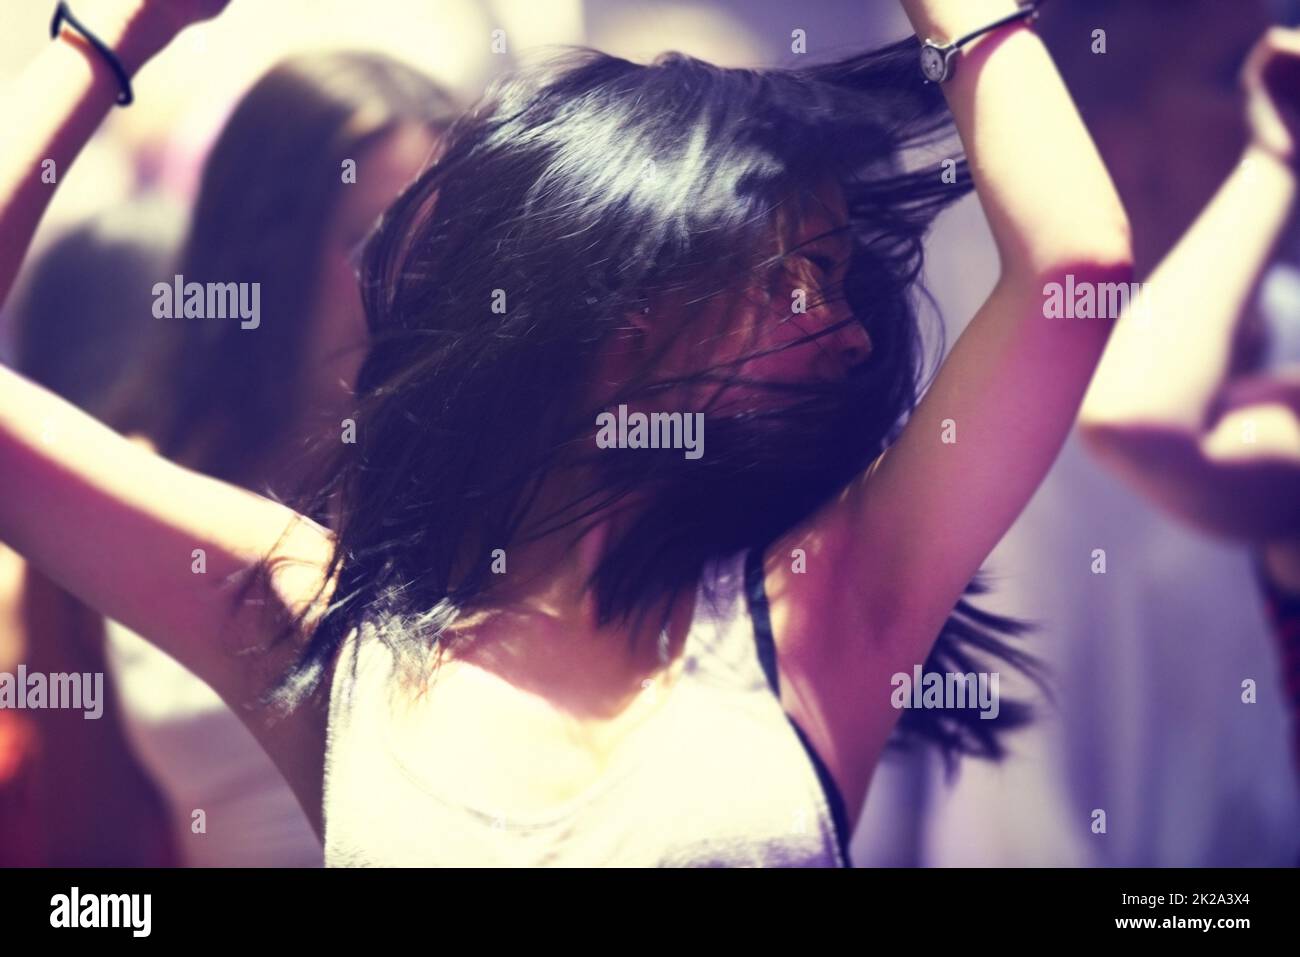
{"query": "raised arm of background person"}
{"type": "Point", "coordinates": [1161, 410]}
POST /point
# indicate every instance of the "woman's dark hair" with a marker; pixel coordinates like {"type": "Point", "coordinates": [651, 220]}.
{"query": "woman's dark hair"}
{"type": "Point", "coordinates": [578, 194]}
{"type": "Point", "coordinates": [269, 187]}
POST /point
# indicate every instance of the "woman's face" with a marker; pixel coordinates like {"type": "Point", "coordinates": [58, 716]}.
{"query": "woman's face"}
{"type": "Point", "coordinates": [800, 328]}
{"type": "Point", "coordinates": [337, 346]}
{"type": "Point", "coordinates": [794, 327]}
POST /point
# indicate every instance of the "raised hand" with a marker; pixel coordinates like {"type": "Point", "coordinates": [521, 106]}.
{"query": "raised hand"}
{"type": "Point", "coordinates": [138, 29]}
{"type": "Point", "coordinates": [182, 13]}
{"type": "Point", "coordinates": [1271, 79]}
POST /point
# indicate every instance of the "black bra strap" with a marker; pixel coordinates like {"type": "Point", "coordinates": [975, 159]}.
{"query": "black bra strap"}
{"type": "Point", "coordinates": [756, 599]}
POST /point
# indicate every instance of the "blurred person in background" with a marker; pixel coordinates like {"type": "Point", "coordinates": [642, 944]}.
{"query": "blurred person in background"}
{"type": "Point", "coordinates": [1147, 657]}
{"type": "Point", "coordinates": [1181, 406]}
{"type": "Point", "coordinates": [71, 792]}
{"type": "Point", "coordinates": [298, 177]}
{"type": "Point", "coordinates": [308, 160]}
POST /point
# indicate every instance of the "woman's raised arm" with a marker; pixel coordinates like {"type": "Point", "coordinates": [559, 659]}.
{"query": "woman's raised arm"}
{"type": "Point", "coordinates": [1222, 455]}
{"type": "Point", "coordinates": [896, 551]}
{"type": "Point", "coordinates": [143, 541]}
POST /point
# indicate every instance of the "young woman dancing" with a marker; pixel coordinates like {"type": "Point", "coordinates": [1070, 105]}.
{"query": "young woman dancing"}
{"type": "Point", "coordinates": [520, 646]}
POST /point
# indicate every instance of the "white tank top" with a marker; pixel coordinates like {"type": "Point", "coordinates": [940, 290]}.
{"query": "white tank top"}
{"type": "Point", "coordinates": [718, 776]}
{"type": "Point", "coordinates": [203, 758]}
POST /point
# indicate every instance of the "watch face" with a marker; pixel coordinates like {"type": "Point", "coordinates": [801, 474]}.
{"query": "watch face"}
{"type": "Point", "coordinates": [933, 64]}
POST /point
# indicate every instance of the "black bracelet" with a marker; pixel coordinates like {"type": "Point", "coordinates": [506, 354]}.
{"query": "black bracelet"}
{"type": "Point", "coordinates": [62, 13]}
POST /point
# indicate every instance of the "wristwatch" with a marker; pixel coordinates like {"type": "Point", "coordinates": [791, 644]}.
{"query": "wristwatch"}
{"type": "Point", "coordinates": [937, 59]}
